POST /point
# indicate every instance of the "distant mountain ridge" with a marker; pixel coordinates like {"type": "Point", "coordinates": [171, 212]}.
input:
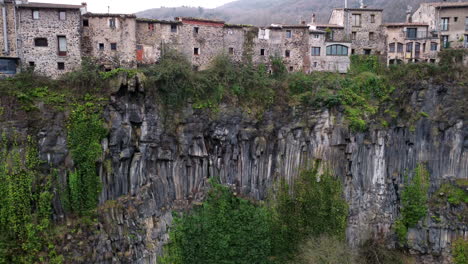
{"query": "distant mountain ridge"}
{"type": "Point", "coordinates": [265, 12]}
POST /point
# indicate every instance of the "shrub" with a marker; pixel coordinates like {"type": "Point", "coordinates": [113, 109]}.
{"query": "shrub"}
{"type": "Point", "coordinates": [311, 207]}
{"type": "Point", "coordinates": [414, 200]}
{"type": "Point", "coordinates": [225, 229]}
{"type": "Point", "coordinates": [373, 251]}
{"type": "Point", "coordinates": [325, 250]}
{"type": "Point", "coordinates": [460, 251]}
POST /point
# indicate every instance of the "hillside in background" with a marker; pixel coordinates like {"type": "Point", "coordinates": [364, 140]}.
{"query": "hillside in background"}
{"type": "Point", "coordinates": [265, 12]}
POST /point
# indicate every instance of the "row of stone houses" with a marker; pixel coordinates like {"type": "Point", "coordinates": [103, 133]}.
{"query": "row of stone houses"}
{"type": "Point", "coordinates": [53, 38]}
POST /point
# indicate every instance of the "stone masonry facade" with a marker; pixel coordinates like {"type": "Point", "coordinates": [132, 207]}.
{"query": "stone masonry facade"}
{"type": "Point", "coordinates": [54, 38]}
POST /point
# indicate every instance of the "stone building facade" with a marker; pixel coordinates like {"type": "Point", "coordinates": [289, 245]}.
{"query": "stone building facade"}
{"type": "Point", "coordinates": [448, 21]}
{"type": "Point", "coordinates": [410, 42]}
{"type": "Point", "coordinates": [53, 38]}
{"type": "Point", "coordinates": [363, 27]}
{"type": "Point", "coordinates": [9, 46]}
{"type": "Point", "coordinates": [111, 38]}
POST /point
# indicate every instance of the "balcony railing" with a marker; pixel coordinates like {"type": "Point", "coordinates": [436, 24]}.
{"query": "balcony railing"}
{"type": "Point", "coordinates": [418, 35]}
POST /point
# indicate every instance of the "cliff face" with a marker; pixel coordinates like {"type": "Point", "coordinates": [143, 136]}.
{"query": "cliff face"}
{"type": "Point", "coordinates": [156, 161]}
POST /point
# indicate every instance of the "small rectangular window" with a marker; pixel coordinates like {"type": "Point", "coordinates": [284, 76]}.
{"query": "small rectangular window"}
{"type": "Point", "coordinates": [62, 45]}
{"type": "Point", "coordinates": [85, 23]}
{"type": "Point", "coordinates": [316, 36]}
{"type": "Point", "coordinates": [391, 48]}
{"type": "Point", "coordinates": [409, 47]}
{"type": "Point", "coordinates": [151, 26]}
{"type": "Point", "coordinates": [455, 19]}
{"type": "Point", "coordinates": [173, 28]}
{"type": "Point", "coordinates": [353, 35]}
{"type": "Point", "coordinates": [291, 68]}
{"type": "Point", "coordinates": [61, 66]}
{"type": "Point", "coordinates": [315, 51]}
{"type": "Point", "coordinates": [62, 15]}
{"type": "Point", "coordinates": [262, 52]}
{"type": "Point", "coordinates": [35, 14]}
{"type": "Point", "coordinates": [195, 30]}
{"type": "Point", "coordinates": [112, 23]}
{"type": "Point", "coordinates": [356, 20]}
{"type": "Point", "coordinates": [400, 47]}
{"type": "Point", "coordinates": [287, 53]}
{"type": "Point", "coordinates": [231, 51]}
{"type": "Point", "coordinates": [101, 46]}
{"type": "Point", "coordinates": [371, 36]}
{"type": "Point", "coordinates": [196, 51]}
{"type": "Point", "coordinates": [113, 46]}
{"type": "Point", "coordinates": [372, 18]}
{"type": "Point", "coordinates": [315, 64]}
{"type": "Point", "coordinates": [32, 64]}
{"type": "Point", "coordinates": [41, 42]}
{"type": "Point", "coordinates": [445, 24]}
{"type": "Point", "coordinates": [288, 34]}
{"type": "Point", "coordinates": [434, 46]}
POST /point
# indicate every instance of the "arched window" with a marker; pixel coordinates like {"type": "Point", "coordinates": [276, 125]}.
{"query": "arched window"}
{"type": "Point", "coordinates": [391, 48]}
{"type": "Point", "coordinates": [400, 47]}
{"type": "Point", "coordinates": [337, 50]}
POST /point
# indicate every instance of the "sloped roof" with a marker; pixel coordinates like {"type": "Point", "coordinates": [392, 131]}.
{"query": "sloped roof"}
{"type": "Point", "coordinates": [109, 15]}
{"type": "Point", "coordinates": [449, 4]}
{"type": "Point", "coordinates": [49, 6]}
{"type": "Point", "coordinates": [405, 25]}
{"type": "Point", "coordinates": [200, 19]}
{"type": "Point", "coordinates": [328, 26]}
{"type": "Point", "coordinates": [157, 21]}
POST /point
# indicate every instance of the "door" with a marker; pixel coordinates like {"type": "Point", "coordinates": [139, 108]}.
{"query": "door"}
{"type": "Point", "coordinates": [417, 49]}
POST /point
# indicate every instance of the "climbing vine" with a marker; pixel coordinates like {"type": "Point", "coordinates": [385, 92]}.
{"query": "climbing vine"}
{"type": "Point", "coordinates": [85, 132]}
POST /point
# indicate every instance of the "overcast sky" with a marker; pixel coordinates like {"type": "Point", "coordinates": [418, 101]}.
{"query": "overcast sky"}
{"type": "Point", "coordinates": [133, 6]}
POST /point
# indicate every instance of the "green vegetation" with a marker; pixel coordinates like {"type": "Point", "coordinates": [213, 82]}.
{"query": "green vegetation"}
{"type": "Point", "coordinates": [25, 207]}
{"type": "Point", "coordinates": [85, 132]}
{"type": "Point", "coordinates": [460, 251]}
{"type": "Point", "coordinates": [225, 229]}
{"type": "Point", "coordinates": [455, 195]}
{"type": "Point", "coordinates": [373, 251]}
{"type": "Point", "coordinates": [230, 229]}
{"type": "Point", "coordinates": [326, 250]}
{"type": "Point", "coordinates": [414, 201]}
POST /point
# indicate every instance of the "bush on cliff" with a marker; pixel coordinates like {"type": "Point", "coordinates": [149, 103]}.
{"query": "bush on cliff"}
{"type": "Point", "coordinates": [225, 229]}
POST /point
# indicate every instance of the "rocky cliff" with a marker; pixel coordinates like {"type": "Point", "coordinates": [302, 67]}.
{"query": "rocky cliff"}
{"type": "Point", "coordinates": [156, 161]}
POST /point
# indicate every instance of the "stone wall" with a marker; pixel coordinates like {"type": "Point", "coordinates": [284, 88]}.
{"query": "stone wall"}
{"type": "Point", "coordinates": [49, 26]}
{"type": "Point", "coordinates": [123, 35]}
{"type": "Point", "coordinates": [11, 29]}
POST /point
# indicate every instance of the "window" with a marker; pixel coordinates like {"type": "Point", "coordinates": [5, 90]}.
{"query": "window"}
{"type": "Point", "coordinates": [195, 30]}
{"type": "Point", "coordinates": [356, 20]}
{"type": "Point", "coordinates": [35, 14]}
{"type": "Point", "coordinates": [291, 68]}
{"type": "Point", "coordinates": [316, 36]}
{"type": "Point", "coordinates": [315, 51]}
{"type": "Point", "coordinates": [8, 66]}
{"type": "Point", "coordinates": [400, 47]}
{"type": "Point", "coordinates": [32, 64]}
{"type": "Point", "coordinates": [337, 50]}
{"type": "Point", "coordinates": [445, 24]}
{"type": "Point", "coordinates": [231, 51]}
{"type": "Point", "coordinates": [287, 53]}
{"type": "Point", "coordinates": [330, 35]}
{"type": "Point", "coordinates": [112, 23]}
{"type": "Point", "coordinates": [353, 35]}
{"type": "Point", "coordinates": [173, 28]}
{"type": "Point", "coordinates": [466, 24]}
{"type": "Point", "coordinates": [367, 51]}
{"type": "Point", "coordinates": [62, 45]}
{"type": "Point", "coordinates": [445, 41]}
{"type": "Point", "coordinates": [424, 47]}
{"type": "Point", "coordinates": [409, 47]}
{"type": "Point", "coordinates": [371, 36]}
{"type": "Point", "coordinates": [61, 66]}
{"type": "Point", "coordinates": [417, 49]}
{"type": "Point", "coordinates": [372, 18]}
{"type": "Point", "coordinates": [391, 48]}
{"type": "Point", "coordinates": [315, 64]}
{"type": "Point", "coordinates": [40, 42]}
{"type": "Point", "coordinates": [262, 52]}
{"type": "Point", "coordinates": [353, 51]}
{"type": "Point", "coordinates": [151, 26]}
{"type": "Point", "coordinates": [196, 51]}
{"type": "Point", "coordinates": [455, 19]}
{"type": "Point", "coordinates": [63, 15]}
{"type": "Point", "coordinates": [411, 33]}
{"type": "Point", "coordinates": [433, 46]}
{"type": "Point", "coordinates": [113, 46]}
{"type": "Point", "coordinates": [85, 23]}
{"type": "Point", "coordinates": [262, 33]}
{"type": "Point", "coordinates": [101, 46]}
{"type": "Point", "coordinates": [288, 34]}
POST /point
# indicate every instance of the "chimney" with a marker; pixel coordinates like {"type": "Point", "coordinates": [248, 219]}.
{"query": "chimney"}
{"type": "Point", "coordinates": [313, 19]}
{"type": "Point", "coordinates": [361, 4]}
{"type": "Point", "coordinates": [409, 16]}
{"type": "Point", "coordinates": [84, 8]}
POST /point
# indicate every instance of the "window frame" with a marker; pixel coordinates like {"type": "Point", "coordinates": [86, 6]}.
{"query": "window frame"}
{"type": "Point", "coordinates": [174, 28]}
{"type": "Point", "coordinates": [101, 46]}
{"type": "Point", "coordinates": [337, 50]}
{"type": "Point", "coordinates": [392, 47]}
{"type": "Point", "coordinates": [372, 18]}
{"type": "Point", "coordinates": [409, 47]}
{"type": "Point", "coordinates": [413, 34]}
{"type": "Point", "coordinates": [6, 66]}
{"type": "Point", "coordinates": [39, 39]}
{"type": "Point", "coordinates": [262, 52]}
{"type": "Point", "coordinates": [444, 24]}
{"type": "Point", "coordinates": [113, 46]}
{"type": "Point", "coordinates": [35, 11]}
{"type": "Point", "coordinates": [400, 47]}
{"type": "Point", "coordinates": [353, 20]}
{"type": "Point", "coordinates": [64, 15]}
{"type": "Point", "coordinates": [85, 22]}
{"type": "Point", "coordinates": [61, 66]}
{"type": "Point", "coordinates": [434, 46]}
{"type": "Point", "coordinates": [289, 33]}
{"type": "Point", "coordinates": [59, 47]}
{"type": "Point", "coordinates": [287, 53]}
{"type": "Point", "coordinates": [314, 50]}
{"type": "Point", "coordinates": [196, 51]}
{"type": "Point", "coordinates": [112, 23]}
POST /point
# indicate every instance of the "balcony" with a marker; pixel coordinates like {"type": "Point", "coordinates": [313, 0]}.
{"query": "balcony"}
{"type": "Point", "coordinates": [413, 35]}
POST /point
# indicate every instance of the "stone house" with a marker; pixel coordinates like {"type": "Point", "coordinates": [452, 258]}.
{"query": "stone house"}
{"type": "Point", "coordinates": [9, 46]}
{"type": "Point", "coordinates": [410, 42]}
{"type": "Point", "coordinates": [110, 38]}
{"type": "Point", "coordinates": [362, 26]}
{"type": "Point", "coordinates": [49, 37]}
{"type": "Point", "coordinates": [448, 20]}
